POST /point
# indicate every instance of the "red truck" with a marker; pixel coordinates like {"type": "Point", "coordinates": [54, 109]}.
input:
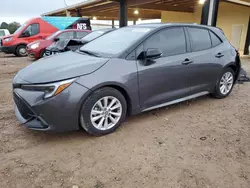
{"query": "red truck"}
{"type": "Point", "coordinates": [37, 29]}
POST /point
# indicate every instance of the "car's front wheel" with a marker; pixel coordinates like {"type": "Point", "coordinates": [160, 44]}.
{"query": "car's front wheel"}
{"type": "Point", "coordinates": [103, 112]}
{"type": "Point", "coordinates": [225, 84]}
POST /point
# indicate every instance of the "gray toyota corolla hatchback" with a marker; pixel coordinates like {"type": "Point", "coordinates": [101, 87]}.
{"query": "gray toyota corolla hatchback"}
{"type": "Point", "coordinates": [125, 72]}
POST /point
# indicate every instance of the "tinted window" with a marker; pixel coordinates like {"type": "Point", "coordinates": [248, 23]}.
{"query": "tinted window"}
{"type": "Point", "coordinates": [32, 29]}
{"type": "Point", "coordinates": [215, 40]}
{"type": "Point", "coordinates": [80, 34]}
{"type": "Point", "coordinates": [169, 41]}
{"type": "Point", "coordinates": [200, 39]}
{"type": "Point", "coordinates": [116, 42]}
{"type": "Point", "coordinates": [66, 35]}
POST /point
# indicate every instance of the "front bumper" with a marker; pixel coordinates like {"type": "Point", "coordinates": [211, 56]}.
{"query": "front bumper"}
{"type": "Point", "coordinates": [8, 49]}
{"type": "Point", "coordinates": [59, 113]}
{"type": "Point", "coordinates": [34, 54]}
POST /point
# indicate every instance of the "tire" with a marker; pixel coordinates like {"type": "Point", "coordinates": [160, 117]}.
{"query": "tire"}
{"type": "Point", "coordinates": [103, 125]}
{"type": "Point", "coordinates": [218, 93]}
{"type": "Point", "coordinates": [21, 51]}
{"type": "Point", "coordinates": [42, 54]}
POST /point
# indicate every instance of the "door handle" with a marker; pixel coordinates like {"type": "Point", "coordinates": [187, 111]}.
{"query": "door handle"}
{"type": "Point", "coordinates": [187, 62]}
{"type": "Point", "coordinates": [219, 55]}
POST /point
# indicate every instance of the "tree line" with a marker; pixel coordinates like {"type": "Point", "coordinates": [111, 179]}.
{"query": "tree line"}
{"type": "Point", "coordinates": [12, 27]}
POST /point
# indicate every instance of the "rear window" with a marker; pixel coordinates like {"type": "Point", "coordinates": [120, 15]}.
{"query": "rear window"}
{"type": "Point", "coordinates": [200, 39]}
{"type": "Point", "coordinates": [80, 34]}
{"type": "Point", "coordinates": [215, 40]}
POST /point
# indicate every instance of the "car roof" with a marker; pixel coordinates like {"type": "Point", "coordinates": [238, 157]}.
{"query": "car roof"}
{"type": "Point", "coordinates": [162, 25]}
{"type": "Point", "coordinates": [79, 30]}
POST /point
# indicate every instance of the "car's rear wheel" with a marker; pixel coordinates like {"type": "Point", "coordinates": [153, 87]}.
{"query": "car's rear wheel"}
{"type": "Point", "coordinates": [225, 84]}
{"type": "Point", "coordinates": [21, 51]}
{"type": "Point", "coordinates": [103, 112]}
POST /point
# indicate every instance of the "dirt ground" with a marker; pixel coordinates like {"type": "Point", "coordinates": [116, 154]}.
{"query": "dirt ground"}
{"type": "Point", "coordinates": [203, 143]}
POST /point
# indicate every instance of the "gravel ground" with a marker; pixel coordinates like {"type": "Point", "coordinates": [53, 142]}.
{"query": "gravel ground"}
{"type": "Point", "coordinates": [203, 143]}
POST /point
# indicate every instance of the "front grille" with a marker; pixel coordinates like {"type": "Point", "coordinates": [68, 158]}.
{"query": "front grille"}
{"type": "Point", "coordinates": [22, 107]}
{"type": "Point", "coordinates": [0, 42]}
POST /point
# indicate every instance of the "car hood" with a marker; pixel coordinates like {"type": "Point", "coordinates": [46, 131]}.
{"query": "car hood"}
{"type": "Point", "coordinates": [60, 67]}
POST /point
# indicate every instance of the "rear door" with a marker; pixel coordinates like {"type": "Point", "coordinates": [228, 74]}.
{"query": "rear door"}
{"type": "Point", "coordinates": [206, 65]}
{"type": "Point", "coordinates": [166, 78]}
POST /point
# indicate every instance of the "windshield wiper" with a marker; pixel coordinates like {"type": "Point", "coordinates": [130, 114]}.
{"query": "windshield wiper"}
{"type": "Point", "coordinates": [90, 53]}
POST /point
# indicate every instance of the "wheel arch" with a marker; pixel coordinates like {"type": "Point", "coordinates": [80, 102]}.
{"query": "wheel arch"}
{"type": "Point", "coordinates": [235, 66]}
{"type": "Point", "coordinates": [20, 44]}
{"type": "Point", "coordinates": [121, 88]}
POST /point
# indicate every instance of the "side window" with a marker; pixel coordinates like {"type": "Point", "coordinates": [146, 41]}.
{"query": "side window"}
{"type": "Point", "coordinates": [33, 29]}
{"type": "Point", "coordinates": [200, 39]}
{"type": "Point", "coordinates": [170, 41]}
{"type": "Point", "coordinates": [80, 34]}
{"type": "Point", "coordinates": [66, 35]}
{"type": "Point", "coordinates": [215, 40]}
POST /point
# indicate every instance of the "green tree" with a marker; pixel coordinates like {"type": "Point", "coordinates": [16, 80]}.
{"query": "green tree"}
{"type": "Point", "coordinates": [12, 27]}
{"type": "Point", "coordinates": [4, 25]}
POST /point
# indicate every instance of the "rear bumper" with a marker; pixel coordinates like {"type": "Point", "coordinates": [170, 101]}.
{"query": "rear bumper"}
{"type": "Point", "coordinates": [8, 49]}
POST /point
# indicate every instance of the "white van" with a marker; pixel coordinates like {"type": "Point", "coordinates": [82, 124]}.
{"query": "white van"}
{"type": "Point", "coordinates": [4, 32]}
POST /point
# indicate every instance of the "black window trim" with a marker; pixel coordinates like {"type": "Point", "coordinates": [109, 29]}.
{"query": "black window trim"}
{"type": "Point", "coordinates": [191, 42]}
{"type": "Point", "coordinates": [188, 47]}
{"type": "Point", "coordinates": [210, 31]}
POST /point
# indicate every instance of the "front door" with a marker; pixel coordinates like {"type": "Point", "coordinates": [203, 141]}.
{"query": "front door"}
{"type": "Point", "coordinates": [31, 33]}
{"type": "Point", "coordinates": [166, 78]}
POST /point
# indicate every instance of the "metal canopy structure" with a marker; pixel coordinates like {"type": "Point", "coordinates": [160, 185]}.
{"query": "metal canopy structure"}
{"type": "Point", "coordinates": [109, 9]}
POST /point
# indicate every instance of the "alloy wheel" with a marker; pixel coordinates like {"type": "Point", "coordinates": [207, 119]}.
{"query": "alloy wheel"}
{"type": "Point", "coordinates": [226, 83]}
{"type": "Point", "coordinates": [106, 113]}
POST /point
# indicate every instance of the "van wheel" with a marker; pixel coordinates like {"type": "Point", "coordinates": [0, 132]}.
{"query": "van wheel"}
{"type": "Point", "coordinates": [103, 112]}
{"type": "Point", "coordinates": [225, 84]}
{"type": "Point", "coordinates": [21, 51]}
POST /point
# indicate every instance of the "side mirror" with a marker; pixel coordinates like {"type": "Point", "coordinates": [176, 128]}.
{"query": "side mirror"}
{"type": "Point", "coordinates": [56, 39]}
{"type": "Point", "coordinates": [26, 34]}
{"type": "Point", "coordinates": [153, 53]}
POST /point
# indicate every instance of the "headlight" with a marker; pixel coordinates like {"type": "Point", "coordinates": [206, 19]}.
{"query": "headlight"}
{"type": "Point", "coordinates": [34, 46]}
{"type": "Point", "coordinates": [8, 39]}
{"type": "Point", "coordinates": [49, 90]}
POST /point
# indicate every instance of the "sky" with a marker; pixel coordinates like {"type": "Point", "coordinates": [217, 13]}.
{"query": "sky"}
{"type": "Point", "coordinates": [22, 10]}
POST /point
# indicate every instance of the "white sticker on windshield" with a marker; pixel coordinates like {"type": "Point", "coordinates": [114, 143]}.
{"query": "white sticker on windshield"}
{"type": "Point", "coordinates": [141, 30]}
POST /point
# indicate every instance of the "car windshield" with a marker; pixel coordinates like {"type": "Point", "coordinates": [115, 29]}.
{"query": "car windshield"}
{"type": "Point", "coordinates": [115, 42]}
{"type": "Point", "coordinates": [20, 28]}
{"type": "Point", "coordinates": [53, 35]}
{"type": "Point", "coordinates": [93, 35]}
{"type": "Point", "coordinates": [2, 33]}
